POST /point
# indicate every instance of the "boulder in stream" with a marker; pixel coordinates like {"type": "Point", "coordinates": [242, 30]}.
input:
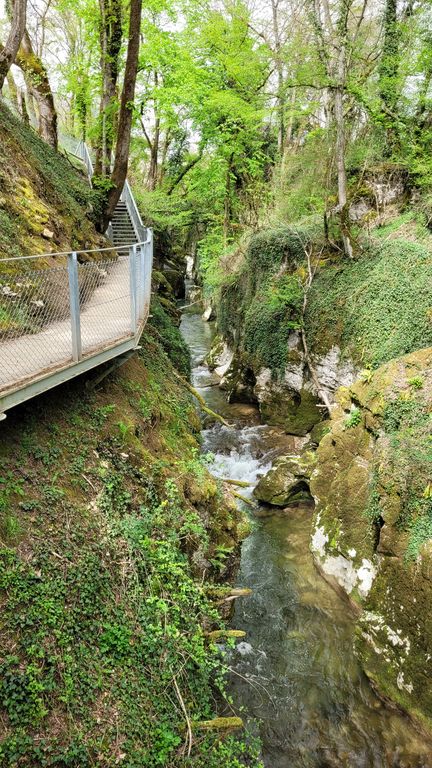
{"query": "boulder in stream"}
{"type": "Point", "coordinates": [287, 482]}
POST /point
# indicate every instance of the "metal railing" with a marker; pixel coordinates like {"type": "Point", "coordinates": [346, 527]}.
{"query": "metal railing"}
{"type": "Point", "coordinates": [128, 198]}
{"type": "Point", "coordinates": [59, 321]}
{"type": "Point", "coordinates": [82, 151]}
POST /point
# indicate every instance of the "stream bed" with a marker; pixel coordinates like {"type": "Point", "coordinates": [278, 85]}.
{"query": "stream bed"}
{"type": "Point", "coordinates": [294, 678]}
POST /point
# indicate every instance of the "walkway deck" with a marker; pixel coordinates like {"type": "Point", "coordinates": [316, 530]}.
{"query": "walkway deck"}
{"type": "Point", "coordinates": [54, 332]}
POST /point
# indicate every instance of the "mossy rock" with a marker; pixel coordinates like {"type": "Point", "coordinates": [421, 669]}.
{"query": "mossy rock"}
{"type": "Point", "coordinates": [287, 481]}
{"type": "Point", "coordinates": [296, 412]}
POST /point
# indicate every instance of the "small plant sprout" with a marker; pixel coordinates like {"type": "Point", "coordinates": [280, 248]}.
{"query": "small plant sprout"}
{"type": "Point", "coordinates": [353, 419]}
{"type": "Point", "coordinates": [416, 382]}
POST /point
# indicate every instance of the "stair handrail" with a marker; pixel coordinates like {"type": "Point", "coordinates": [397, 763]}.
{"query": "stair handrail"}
{"type": "Point", "coordinates": [128, 198]}
{"type": "Point", "coordinates": [83, 153]}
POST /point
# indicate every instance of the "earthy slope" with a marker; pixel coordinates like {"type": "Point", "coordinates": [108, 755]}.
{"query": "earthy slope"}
{"type": "Point", "coordinates": [40, 192]}
{"type": "Point", "coordinates": [110, 528]}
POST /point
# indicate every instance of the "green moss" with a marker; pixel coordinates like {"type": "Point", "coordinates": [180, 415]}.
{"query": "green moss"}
{"type": "Point", "coordinates": [375, 308]}
{"type": "Point", "coordinates": [41, 189]}
{"type": "Point", "coordinates": [170, 337]}
{"type": "Point", "coordinates": [272, 314]}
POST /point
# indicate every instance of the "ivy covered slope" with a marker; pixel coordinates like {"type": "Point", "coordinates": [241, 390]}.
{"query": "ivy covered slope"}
{"type": "Point", "coordinates": [113, 534]}
{"type": "Point", "coordinates": [45, 203]}
{"type": "Point", "coordinates": [359, 313]}
{"type": "Point", "coordinates": [372, 528]}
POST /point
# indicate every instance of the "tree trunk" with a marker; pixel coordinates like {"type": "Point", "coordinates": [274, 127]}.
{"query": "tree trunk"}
{"type": "Point", "coordinates": [388, 72]}
{"type": "Point", "coordinates": [39, 87]}
{"type": "Point", "coordinates": [9, 51]}
{"type": "Point", "coordinates": [23, 108]}
{"type": "Point", "coordinates": [339, 91]}
{"type": "Point", "coordinates": [13, 90]}
{"type": "Point", "coordinates": [110, 42]}
{"type": "Point", "coordinates": [154, 156]}
{"type": "Point", "coordinates": [280, 77]}
{"type": "Point", "coordinates": [341, 171]}
{"type": "Point", "coordinates": [119, 173]}
{"type": "Point", "coordinates": [227, 202]}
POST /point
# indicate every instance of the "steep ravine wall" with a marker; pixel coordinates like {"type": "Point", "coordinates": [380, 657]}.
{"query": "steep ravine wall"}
{"type": "Point", "coordinates": [370, 476]}
{"type": "Point", "coordinates": [372, 531]}
{"type": "Point", "coordinates": [359, 314]}
{"type": "Point", "coordinates": [115, 543]}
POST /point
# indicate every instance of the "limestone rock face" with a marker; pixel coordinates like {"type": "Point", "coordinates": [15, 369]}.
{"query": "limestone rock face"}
{"type": "Point", "coordinates": [372, 529]}
{"type": "Point", "coordinates": [288, 399]}
{"type": "Point", "coordinates": [286, 482]}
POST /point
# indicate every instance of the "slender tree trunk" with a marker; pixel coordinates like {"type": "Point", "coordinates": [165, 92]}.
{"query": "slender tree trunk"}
{"type": "Point", "coordinates": [154, 156]}
{"type": "Point", "coordinates": [29, 100]}
{"type": "Point", "coordinates": [18, 12]}
{"type": "Point", "coordinates": [110, 42]}
{"type": "Point", "coordinates": [280, 77]}
{"type": "Point", "coordinates": [23, 108]}
{"type": "Point", "coordinates": [39, 87]}
{"type": "Point", "coordinates": [13, 90]}
{"type": "Point", "coordinates": [227, 201]}
{"type": "Point", "coordinates": [341, 171]}
{"type": "Point", "coordinates": [388, 72]}
{"type": "Point", "coordinates": [165, 148]}
{"type": "Point", "coordinates": [119, 173]}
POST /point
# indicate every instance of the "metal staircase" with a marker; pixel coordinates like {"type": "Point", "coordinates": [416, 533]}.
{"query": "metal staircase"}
{"type": "Point", "coordinates": [126, 226]}
{"type": "Point", "coordinates": [122, 230]}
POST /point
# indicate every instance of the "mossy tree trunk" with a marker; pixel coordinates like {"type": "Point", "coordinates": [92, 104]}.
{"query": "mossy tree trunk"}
{"type": "Point", "coordinates": [17, 12]}
{"type": "Point", "coordinates": [39, 87]}
{"type": "Point", "coordinates": [119, 172]}
{"type": "Point", "coordinates": [388, 73]}
{"type": "Point", "coordinates": [111, 36]}
{"type": "Point", "coordinates": [332, 42]}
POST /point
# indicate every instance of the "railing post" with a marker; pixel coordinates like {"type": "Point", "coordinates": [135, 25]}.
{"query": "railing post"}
{"type": "Point", "coordinates": [148, 268]}
{"type": "Point", "coordinates": [74, 300]}
{"type": "Point", "coordinates": [143, 249]}
{"type": "Point", "coordinates": [133, 288]}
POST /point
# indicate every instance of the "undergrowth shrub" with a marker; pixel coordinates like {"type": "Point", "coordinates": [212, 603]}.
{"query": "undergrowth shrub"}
{"type": "Point", "coordinates": [170, 338]}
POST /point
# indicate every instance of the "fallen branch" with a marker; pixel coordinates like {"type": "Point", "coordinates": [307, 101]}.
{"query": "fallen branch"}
{"type": "Point", "coordinates": [220, 634]}
{"type": "Point", "coordinates": [235, 594]}
{"type": "Point", "coordinates": [189, 741]}
{"type": "Point", "coordinates": [202, 402]}
{"type": "Point", "coordinates": [219, 724]}
{"type": "Point", "coordinates": [240, 483]}
{"type": "Point", "coordinates": [193, 304]}
{"type": "Point", "coordinates": [243, 498]}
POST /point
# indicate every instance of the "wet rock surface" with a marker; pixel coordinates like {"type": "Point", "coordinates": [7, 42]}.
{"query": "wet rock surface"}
{"type": "Point", "coordinates": [372, 529]}
{"type": "Point", "coordinates": [287, 482]}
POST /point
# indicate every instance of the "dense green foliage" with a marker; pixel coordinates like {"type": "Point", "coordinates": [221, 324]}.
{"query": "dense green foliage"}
{"type": "Point", "coordinates": [108, 518]}
{"type": "Point", "coordinates": [262, 303]}
{"type": "Point", "coordinates": [273, 312]}
{"type": "Point", "coordinates": [377, 307]}
{"type": "Point", "coordinates": [171, 339]}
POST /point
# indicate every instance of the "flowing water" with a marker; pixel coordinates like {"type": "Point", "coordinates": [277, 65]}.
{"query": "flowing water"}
{"type": "Point", "coordinates": [294, 675]}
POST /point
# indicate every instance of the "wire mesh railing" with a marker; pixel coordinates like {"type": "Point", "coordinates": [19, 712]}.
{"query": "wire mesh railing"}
{"type": "Point", "coordinates": [58, 316]}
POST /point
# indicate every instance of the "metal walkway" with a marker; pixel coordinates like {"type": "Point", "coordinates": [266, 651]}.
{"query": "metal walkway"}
{"type": "Point", "coordinates": [58, 322]}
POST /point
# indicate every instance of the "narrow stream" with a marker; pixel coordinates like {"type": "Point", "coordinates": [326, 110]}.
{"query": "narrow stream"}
{"type": "Point", "coordinates": [294, 677]}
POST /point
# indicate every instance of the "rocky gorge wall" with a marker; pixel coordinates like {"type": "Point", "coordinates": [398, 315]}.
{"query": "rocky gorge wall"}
{"type": "Point", "coordinates": [372, 529]}
{"type": "Point", "coordinates": [369, 335]}
{"type": "Point", "coordinates": [357, 314]}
